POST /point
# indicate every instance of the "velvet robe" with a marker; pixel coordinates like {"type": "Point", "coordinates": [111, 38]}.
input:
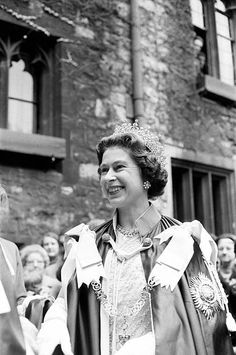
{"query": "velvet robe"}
{"type": "Point", "coordinates": [179, 327]}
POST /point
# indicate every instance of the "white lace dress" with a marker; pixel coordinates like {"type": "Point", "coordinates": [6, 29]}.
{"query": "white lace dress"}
{"type": "Point", "coordinates": [124, 286]}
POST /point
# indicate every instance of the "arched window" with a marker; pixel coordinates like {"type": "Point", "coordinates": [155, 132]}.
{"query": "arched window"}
{"type": "Point", "coordinates": [22, 104]}
{"type": "Point", "coordinates": [197, 13]}
{"type": "Point", "coordinates": [29, 81]}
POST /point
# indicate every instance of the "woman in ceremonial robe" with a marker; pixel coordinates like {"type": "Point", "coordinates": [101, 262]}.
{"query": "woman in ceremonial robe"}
{"type": "Point", "coordinates": [141, 283]}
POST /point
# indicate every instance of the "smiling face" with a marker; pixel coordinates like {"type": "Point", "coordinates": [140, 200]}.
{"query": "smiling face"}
{"type": "Point", "coordinates": [121, 179]}
{"type": "Point", "coordinates": [226, 250]}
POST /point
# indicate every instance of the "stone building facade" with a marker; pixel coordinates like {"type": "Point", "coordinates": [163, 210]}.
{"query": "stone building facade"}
{"type": "Point", "coordinates": [51, 174]}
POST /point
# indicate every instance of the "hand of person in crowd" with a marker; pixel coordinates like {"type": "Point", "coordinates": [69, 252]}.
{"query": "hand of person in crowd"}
{"type": "Point", "coordinates": [232, 284]}
{"type": "Point", "coordinates": [30, 336]}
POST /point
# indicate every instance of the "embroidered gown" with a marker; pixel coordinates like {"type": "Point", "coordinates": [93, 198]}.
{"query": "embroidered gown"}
{"type": "Point", "coordinates": [124, 287]}
{"type": "Point", "coordinates": [179, 327]}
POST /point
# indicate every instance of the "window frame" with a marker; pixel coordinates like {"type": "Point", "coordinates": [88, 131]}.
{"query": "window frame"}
{"type": "Point", "coordinates": [199, 195]}
{"type": "Point", "coordinates": [211, 38]}
{"type": "Point", "coordinates": [48, 140]}
{"type": "Point", "coordinates": [210, 84]}
{"type": "Point", "coordinates": [166, 203]}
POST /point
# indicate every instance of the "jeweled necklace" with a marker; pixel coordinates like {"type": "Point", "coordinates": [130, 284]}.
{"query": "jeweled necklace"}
{"type": "Point", "coordinates": [111, 309]}
{"type": "Point", "coordinates": [128, 233]}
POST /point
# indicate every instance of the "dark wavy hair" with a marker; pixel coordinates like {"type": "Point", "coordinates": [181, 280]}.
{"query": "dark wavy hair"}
{"type": "Point", "coordinates": [151, 169]}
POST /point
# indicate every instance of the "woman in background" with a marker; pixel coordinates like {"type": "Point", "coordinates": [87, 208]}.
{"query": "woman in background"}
{"type": "Point", "coordinates": [55, 250]}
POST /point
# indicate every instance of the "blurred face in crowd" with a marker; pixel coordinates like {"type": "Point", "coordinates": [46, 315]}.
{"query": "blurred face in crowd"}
{"type": "Point", "coordinates": [34, 262]}
{"type": "Point", "coordinates": [226, 250]}
{"type": "Point", "coordinates": [51, 246]}
{"type": "Point", "coordinates": [4, 210]}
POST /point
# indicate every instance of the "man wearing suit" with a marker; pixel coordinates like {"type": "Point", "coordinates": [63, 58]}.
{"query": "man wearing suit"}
{"type": "Point", "coordinates": [13, 294]}
{"type": "Point", "coordinates": [16, 333]}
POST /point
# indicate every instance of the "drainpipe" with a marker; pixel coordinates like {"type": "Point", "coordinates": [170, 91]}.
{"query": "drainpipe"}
{"type": "Point", "coordinates": [136, 63]}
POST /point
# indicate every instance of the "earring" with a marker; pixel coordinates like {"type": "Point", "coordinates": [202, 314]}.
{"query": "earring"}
{"type": "Point", "coordinates": [146, 185]}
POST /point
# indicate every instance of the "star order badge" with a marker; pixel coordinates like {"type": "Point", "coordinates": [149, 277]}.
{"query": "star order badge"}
{"type": "Point", "coordinates": [205, 295]}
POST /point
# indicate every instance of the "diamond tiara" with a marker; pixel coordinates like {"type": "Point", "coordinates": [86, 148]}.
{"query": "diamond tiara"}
{"type": "Point", "coordinates": [151, 141]}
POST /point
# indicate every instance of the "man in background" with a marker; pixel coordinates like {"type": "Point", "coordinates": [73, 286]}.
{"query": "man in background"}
{"type": "Point", "coordinates": [17, 334]}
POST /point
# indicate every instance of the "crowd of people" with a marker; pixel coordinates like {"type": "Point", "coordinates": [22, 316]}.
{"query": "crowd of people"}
{"type": "Point", "coordinates": [139, 283]}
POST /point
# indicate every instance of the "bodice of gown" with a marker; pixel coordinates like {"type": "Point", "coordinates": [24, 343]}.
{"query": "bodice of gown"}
{"type": "Point", "coordinates": [125, 283]}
